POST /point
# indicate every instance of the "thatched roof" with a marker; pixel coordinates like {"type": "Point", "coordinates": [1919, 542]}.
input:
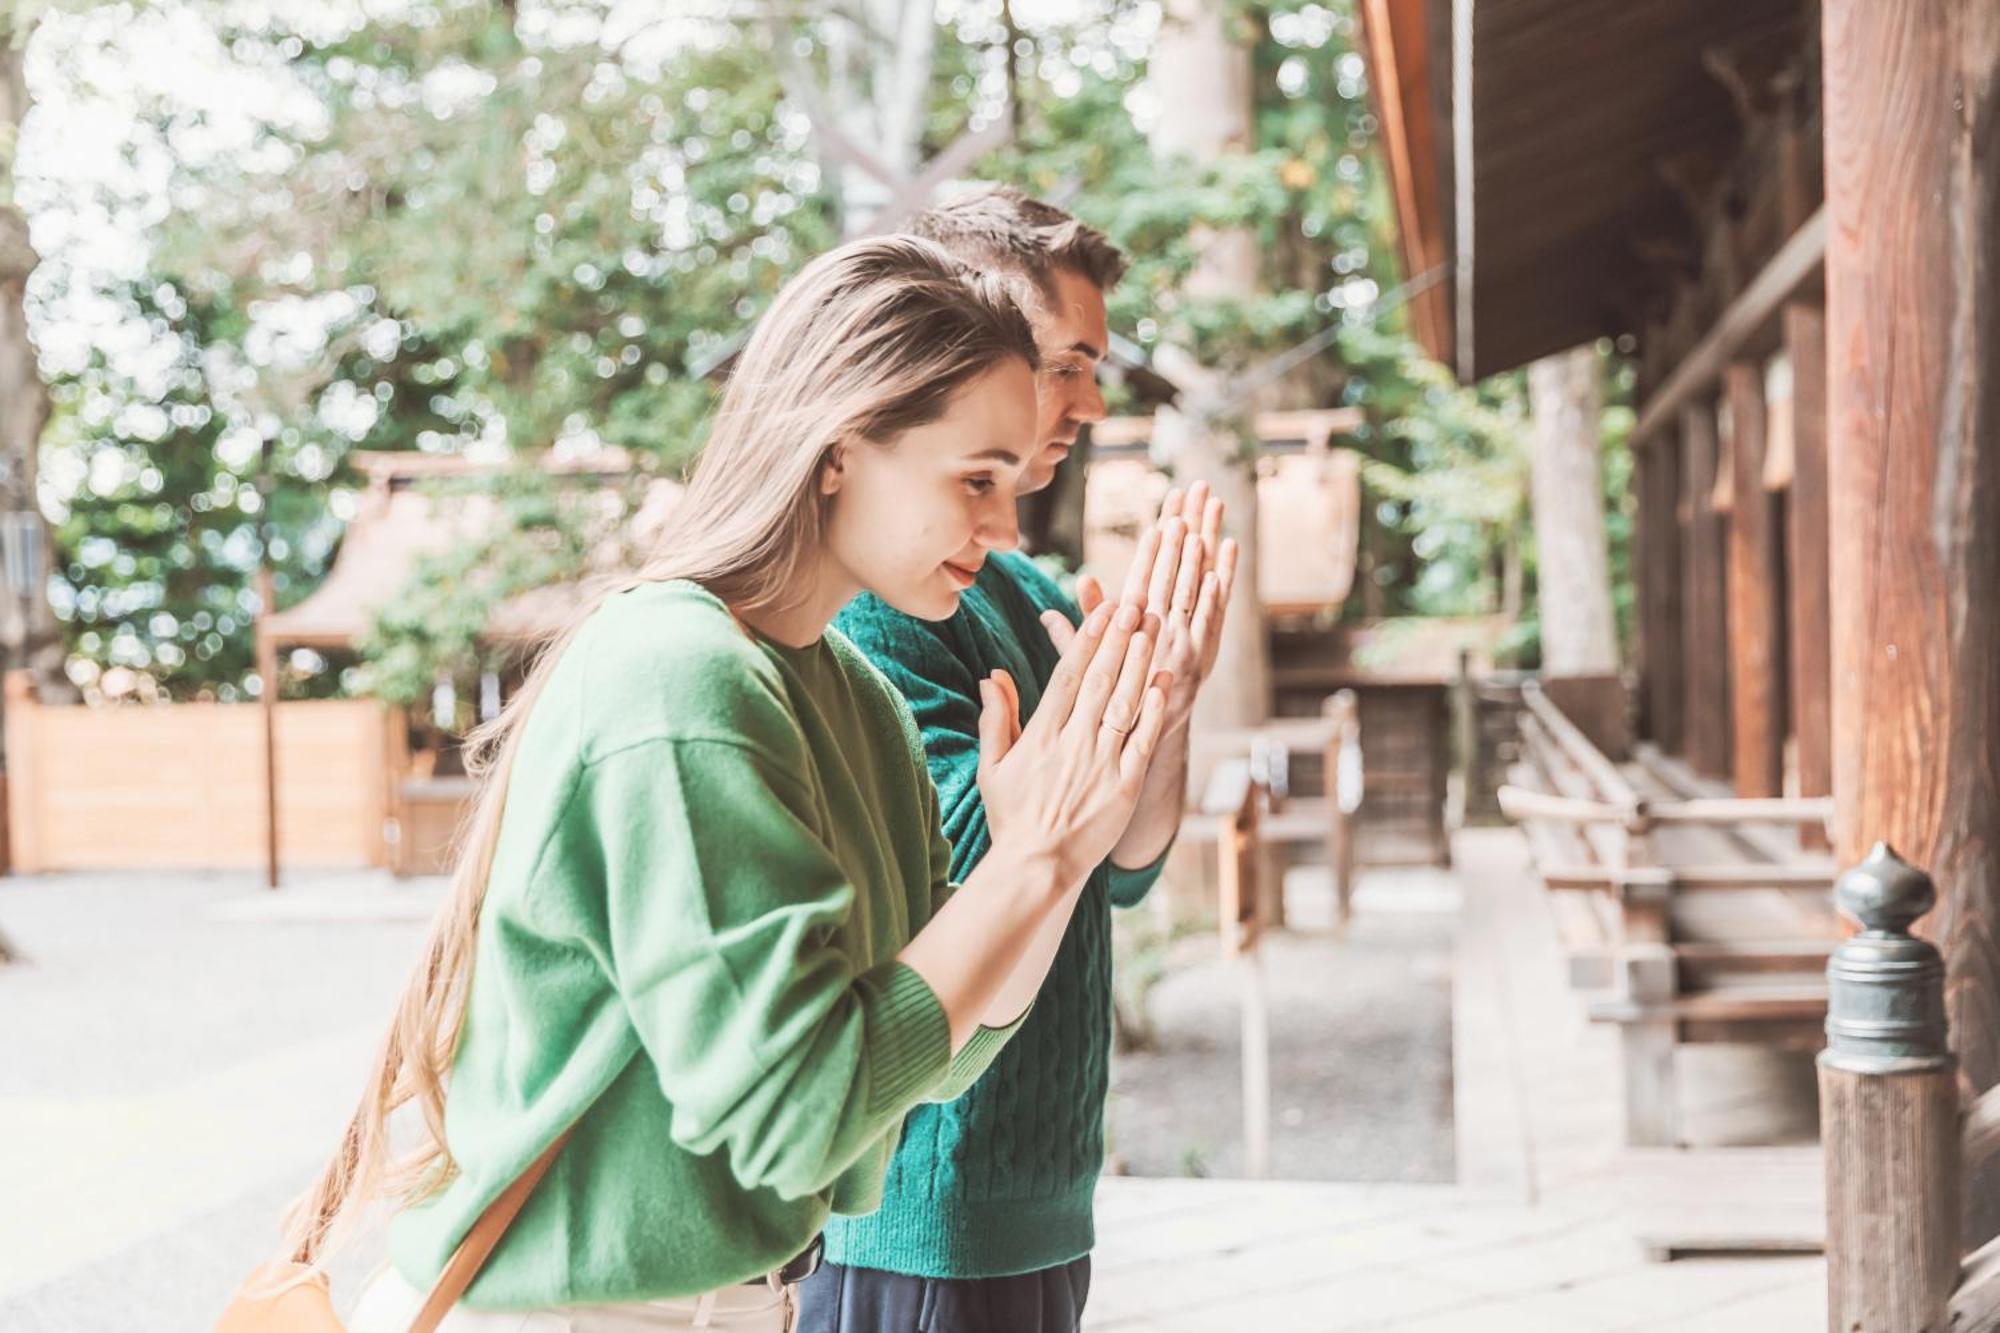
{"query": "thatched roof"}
{"type": "Point", "coordinates": [400, 522]}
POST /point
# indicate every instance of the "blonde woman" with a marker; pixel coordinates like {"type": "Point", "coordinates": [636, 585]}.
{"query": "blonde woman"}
{"type": "Point", "coordinates": [704, 915]}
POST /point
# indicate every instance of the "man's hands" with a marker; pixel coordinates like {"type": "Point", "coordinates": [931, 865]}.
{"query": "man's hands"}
{"type": "Point", "coordinates": [1183, 575]}
{"type": "Point", "coordinates": [1065, 785]}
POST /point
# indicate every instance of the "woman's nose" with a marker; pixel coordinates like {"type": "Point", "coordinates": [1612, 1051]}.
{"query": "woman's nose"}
{"type": "Point", "coordinates": [1000, 524]}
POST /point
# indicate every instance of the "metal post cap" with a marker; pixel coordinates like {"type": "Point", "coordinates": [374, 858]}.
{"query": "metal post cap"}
{"type": "Point", "coordinates": [1885, 987]}
{"type": "Point", "coordinates": [1884, 892]}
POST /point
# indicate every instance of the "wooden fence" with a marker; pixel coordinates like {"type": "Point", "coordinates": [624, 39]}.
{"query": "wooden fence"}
{"type": "Point", "coordinates": [181, 786]}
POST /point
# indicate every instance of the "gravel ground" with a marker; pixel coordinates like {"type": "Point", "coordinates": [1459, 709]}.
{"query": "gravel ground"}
{"type": "Point", "coordinates": [138, 991]}
{"type": "Point", "coordinates": [154, 1007]}
{"type": "Point", "coordinates": [1360, 1054]}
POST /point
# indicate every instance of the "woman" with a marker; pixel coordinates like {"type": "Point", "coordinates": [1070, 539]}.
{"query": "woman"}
{"type": "Point", "coordinates": [703, 914]}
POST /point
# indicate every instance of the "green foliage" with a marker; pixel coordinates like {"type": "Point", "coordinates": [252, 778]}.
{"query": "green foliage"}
{"type": "Point", "coordinates": [511, 228]}
{"type": "Point", "coordinates": [157, 513]}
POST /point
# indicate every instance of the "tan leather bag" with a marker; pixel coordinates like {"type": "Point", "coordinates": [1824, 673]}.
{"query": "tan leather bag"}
{"type": "Point", "coordinates": [307, 1307]}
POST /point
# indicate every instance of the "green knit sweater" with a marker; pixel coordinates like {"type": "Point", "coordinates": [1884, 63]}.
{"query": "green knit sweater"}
{"type": "Point", "coordinates": [713, 848]}
{"type": "Point", "coordinates": [999, 1181]}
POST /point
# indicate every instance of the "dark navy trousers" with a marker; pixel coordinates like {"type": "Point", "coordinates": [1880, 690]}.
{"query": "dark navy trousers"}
{"type": "Point", "coordinates": [837, 1299]}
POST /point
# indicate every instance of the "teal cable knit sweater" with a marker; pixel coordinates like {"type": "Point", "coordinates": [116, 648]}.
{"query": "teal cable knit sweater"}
{"type": "Point", "coordinates": [999, 1181]}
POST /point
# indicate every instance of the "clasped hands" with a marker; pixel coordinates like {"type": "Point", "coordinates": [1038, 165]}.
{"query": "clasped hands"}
{"type": "Point", "coordinates": [1069, 780]}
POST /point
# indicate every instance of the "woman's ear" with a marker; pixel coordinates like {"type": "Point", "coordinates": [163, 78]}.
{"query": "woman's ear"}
{"type": "Point", "coordinates": [833, 471]}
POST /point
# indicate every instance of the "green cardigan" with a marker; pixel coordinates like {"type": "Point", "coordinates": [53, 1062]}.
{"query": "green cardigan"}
{"type": "Point", "coordinates": [713, 848]}
{"type": "Point", "coordinates": [999, 1181]}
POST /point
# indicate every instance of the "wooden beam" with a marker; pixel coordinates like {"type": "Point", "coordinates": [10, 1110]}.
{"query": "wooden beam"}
{"type": "Point", "coordinates": [1524, 803]}
{"type": "Point", "coordinates": [1795, 265]}
{"type": "Point", "coordinates": [1808, 536]}
{"type": "Point", "coordinates": [1756, 576]}
{"type": "Point", "coordinates": [1395, 36]}
{"type": "Point", "coordinates": [1913, 435]}
{"type": "Point", "coordinates": [1654, 881]}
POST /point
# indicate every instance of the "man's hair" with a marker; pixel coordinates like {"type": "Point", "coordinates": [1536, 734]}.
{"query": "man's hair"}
{"type": "Point", "coordinates": [996, 227]}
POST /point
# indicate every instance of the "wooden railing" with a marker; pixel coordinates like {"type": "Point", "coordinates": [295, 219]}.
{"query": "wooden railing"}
{"type": "Point", "coordinates": [1597, 842]}
{"type": "Point", "coordinates": [1899, 1147]}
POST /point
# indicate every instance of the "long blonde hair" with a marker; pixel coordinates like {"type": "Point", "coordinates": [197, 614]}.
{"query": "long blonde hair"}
{"type": "Point", "coordinates": [866, 342]}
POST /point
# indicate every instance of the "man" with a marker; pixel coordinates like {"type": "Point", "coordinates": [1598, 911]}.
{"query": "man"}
{"type": "Point", "coordinates": [986, 1220]}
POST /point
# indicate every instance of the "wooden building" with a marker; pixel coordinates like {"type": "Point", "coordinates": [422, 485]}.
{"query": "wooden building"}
{"type": "Point", "coordinates": [1789, 211]}
{"type": "Point", "coordinates": [409, 511]}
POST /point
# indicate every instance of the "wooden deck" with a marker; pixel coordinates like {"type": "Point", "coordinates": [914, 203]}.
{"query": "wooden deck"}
{"type": "Point", "coordinates": [1549, 1227]}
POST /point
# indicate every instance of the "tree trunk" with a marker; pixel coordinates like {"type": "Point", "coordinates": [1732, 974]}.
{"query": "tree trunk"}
{"type": "Point", "coordinates": [1913, 431]}
{"type": "Point", "coordinates": [24, 400]}
{"type": "Point", "coordinates": [1204, 77]}
{"type": "Point", "coordinates": [881, 70]}
{"type": "Point", "coordinates": [1579, 634]}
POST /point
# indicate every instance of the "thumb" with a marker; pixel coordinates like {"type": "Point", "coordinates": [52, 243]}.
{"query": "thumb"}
{"type": "Point", "coordinates": [995, 735]}
{"type": "Point", "coordinates": [1059, 628]}
{"type": "Point", "coordinates": [1089, 593]}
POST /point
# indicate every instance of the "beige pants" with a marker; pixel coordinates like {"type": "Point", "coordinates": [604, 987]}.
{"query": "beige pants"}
{"type": "Point", "coordinates": [389, 1304]}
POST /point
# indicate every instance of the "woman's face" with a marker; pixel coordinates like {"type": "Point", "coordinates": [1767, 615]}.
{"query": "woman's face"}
{"type": "Point", "coordinates": [913, 520]}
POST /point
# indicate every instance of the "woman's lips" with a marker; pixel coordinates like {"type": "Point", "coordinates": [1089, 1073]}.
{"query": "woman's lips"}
{"type": "Point", "coordinates": [960, 575]}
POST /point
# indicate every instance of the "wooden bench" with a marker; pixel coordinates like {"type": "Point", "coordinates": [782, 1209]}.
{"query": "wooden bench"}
{"type": "Point", "coordinates": [1684, 915]}
{"type": "Point", "coordinates": [1309, 773]}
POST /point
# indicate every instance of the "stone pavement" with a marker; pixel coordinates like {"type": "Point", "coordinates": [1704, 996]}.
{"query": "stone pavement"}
{"type": "Point", "coordinates": [178, 1055]}
{"type": "Point", "coordinates": [179, 1051]}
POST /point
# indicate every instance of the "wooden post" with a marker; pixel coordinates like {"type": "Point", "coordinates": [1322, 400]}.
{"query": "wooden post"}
{"type": "Point", "coordinates": [1241, 920]}
{"type": "Point", "coordinates": [1756, 631]}
{"type": "Point", "coordinates": [1913, 431]}
{"type": "Point", "coordinates": [1706, 620]}
{"type": "Point", "coordinates": [1809, 550]}
{"type": "Point", "coordinates": [1889, 1113]}
{"type": "Point", "coordinates": [1665, 653]}
{"type": "Point", "coordinates": [267, 699]}
{"type": "Point", "coordinates": [19, 809]}
{"type": "Point", "coordinates": [1648, 977]}
{"type": "Point", "coordinates": [267, 663]}
{"type": "Point", "coordinates": [24, 815]}
{"type": "Point", "coordinates": [1343, 798]}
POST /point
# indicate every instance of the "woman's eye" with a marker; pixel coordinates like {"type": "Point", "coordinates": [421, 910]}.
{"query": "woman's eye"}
{"type": "Point", "coordinates": [979, 485]}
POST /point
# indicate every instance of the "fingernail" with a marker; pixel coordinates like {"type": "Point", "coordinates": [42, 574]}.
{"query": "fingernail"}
{"type": "Point", "coordinates": [1097, 618]}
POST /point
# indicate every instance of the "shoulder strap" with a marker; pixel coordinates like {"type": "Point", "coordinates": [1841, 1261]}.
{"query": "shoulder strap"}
{"type": "Point", "coordinates": [472, 1252]}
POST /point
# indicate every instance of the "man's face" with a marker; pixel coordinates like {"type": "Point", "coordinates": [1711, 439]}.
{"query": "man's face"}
{"type": "Point", "coordinates": [1071, 335]}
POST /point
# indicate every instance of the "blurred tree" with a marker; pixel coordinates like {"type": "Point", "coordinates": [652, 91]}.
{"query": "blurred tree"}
{"type": "Point", "coordinates": [157, 491]}
{"type": "Point", "coordinates": [27, 625]}
{"type": "Point", "coordinates": [508, 227]}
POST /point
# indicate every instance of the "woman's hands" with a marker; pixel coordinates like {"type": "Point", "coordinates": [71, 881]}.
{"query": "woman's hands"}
{"type": "Point", "coordinates": [1064, 787]}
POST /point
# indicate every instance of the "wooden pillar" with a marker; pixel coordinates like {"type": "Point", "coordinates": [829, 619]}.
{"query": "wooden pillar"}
{"type": "Point", "coordinates": [1665, 654]}
{"type": "Point", "coordinates": [1810, 645]}
{"type": "Point", "coordinates": [1889, 1114]}
{"type": "Point", "coordinates": [1706, 618]}
{"type": "Point", "coordinates": [1756, 630]}
{"type": "Point", "coordinates": [1912, 97]}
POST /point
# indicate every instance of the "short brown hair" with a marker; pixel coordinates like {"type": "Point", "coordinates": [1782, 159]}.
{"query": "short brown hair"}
{"type": "Point", "coordinates": [998, 227]}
